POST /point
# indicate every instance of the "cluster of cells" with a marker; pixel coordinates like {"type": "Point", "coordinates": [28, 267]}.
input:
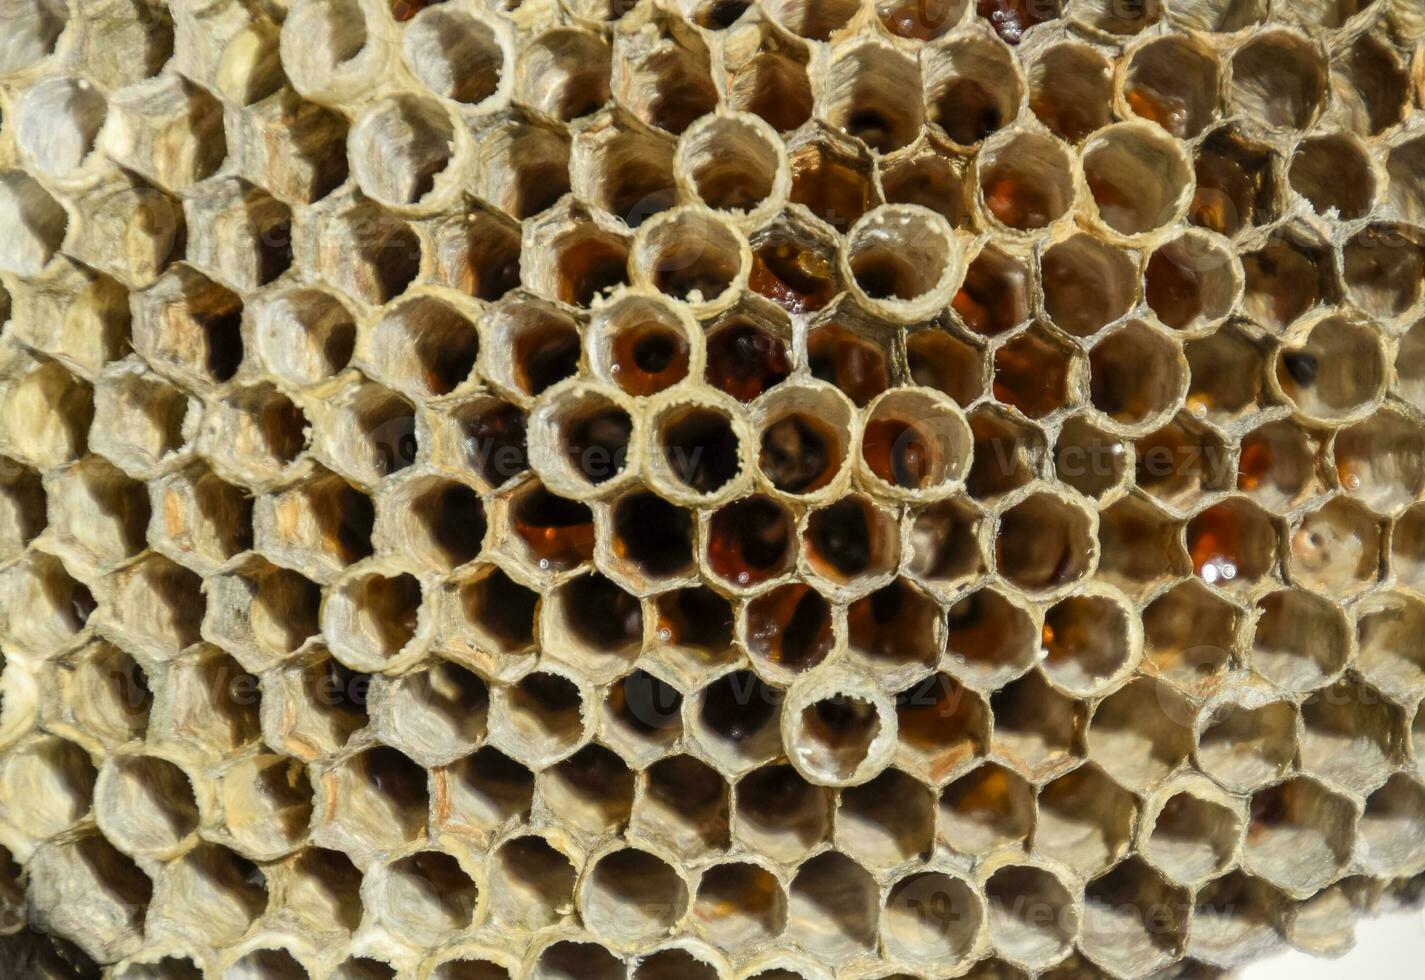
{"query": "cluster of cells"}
{"type": "Point", "coordinates": [680, 489]}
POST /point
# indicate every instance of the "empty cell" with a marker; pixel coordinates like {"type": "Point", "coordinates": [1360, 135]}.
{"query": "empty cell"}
{"type": "Point", "coordinates": [739, 904]}
{"type": "Point", "coordinates": [94, 508]}
{"type": "Point", "coordinates": [789, 629]}
{"type": "Point", "coordinates": [643, 713]}
{"type": "Point", "coordinates": [994, 298]}
{"type": "Point", "coordinates": [887, 821]}
{"type": "Point", "coordinates": [1278, 81]}
{"type": "Point", "coordinates": [371, 434]}
{"type": "Point", "coordinates": [1008, 452]}
{"type": "Point", "coordinates": [625, 168]}
{"type": "Point", "coordinates": [833, 907]}
{"type": "Point", "coordinates": [895, 630]}
{"type": "Point", "coordinates": [1226, 372]}
{"type": "Point", "coordinates": [1192, 282]}
{"type": "Point", "coordinates": [838, 735]}
{"type": "Point", "coordinates": [991, 638]}
{"type": "Point", "coordinates": [1383, 264]}
{"type": "Point", "coordinates": [102, 695]}
{"type": "Point", "coordinates": [93, 892]}
{"type": "Point", "coordinates": [780, 814]}
{"type": "Point", "coordinates": [1189, 636]}
{"type": "Point", "coordinates": [266, 963]}
{"type": "Point", "coordinates": [1387, 625]}
{"type": "Point", "coordinates": [803, 438]}
{"type": "Point", "coordinates": [1134, 921]}
{"type": "Point", "coordinates": [1236, 184]}
{"type": "Point", "coordinates": [321, 893]}
{"type": "Point", "coordinates": [399, 148]}
{"type": "Point", "coordinates": [554, 533]}
{"type": "Point", "coordinates": [770, 79]}
{"type": "Point", "coordinates": [1089, 640]}
{"type": "Point", "coordinates": [1173, 81]}
{"type": "Point", "coordinates": [972, 88]}
{"type": "Point", "coordinates": [500, 611]}
{"type": "Point", "coordinates": [1334, 173]}
{"type": "Point", "coordinates": [267, 805]}
{"type": "Point", "coordinates": [211, 893]}
{"type": "Point", "coordinates": [314, 710]}
{"type": "Point", "coordinates": [1032, 919]}
{"type": "Point", "coordinates": [39, 222]}
{"type": "Point", "coordinates": [424, 346]}
{"type": "Point", "coordinates": [56, 780]}
{"type": "Point", "coordinates": [631, 895]}
{"type": "Point", "coordinates": [1084, 820]}
{"type": "Point", "coordinates": [1036, 374]}
{"type": "Point", "coordinates": [1336, 548]}
{"type": "Point", "coordinates": [816, 21]}
{"type": "Point", "coordinates": [377, 800]}
{"type": "Point", "coordinates": [364, 968]}
{"type": "Point", "coordinates": [438, 713]}
{"type": "Point", "coordinates": [325, 49]}
{"type": "Point", "coordinates": [696, 621]}
{"type": "Point", "coordinates": [145, 805]}
{"type": "Point", "coordinates": [1390, 827]}
{"type": "Point", "coordinates": [701, 447]}
{"type": "Point", "coordinates": [371, 618]}
{"type": "Point", "coordinates": [58, 121]}
{"type": "Point", "coordinates": [1138, 177]}
{"type": "Point", "coordinates": [942, 726]}
{"type": "Point", "coordinates": [690, 256]}
{"type": "Point", "coordinates": [1369, 84]}
{"type": "Point", "coordinates": [368, 253]}
{"type": "Point", "coordinates": [494, 440]}
{"type": "Point", "coordinates": [877, 259]}
{"type": "Point", "coordinates": [930, 180]}
{"type": "Point", "coordinates": [1087, 284]}
{"type": "Point", "coordinates": [1140, 546]}
{"type": "Point", "coordinates": [1036, 727]}
{"type": "Point", "coordinates": [867, 96]}
{"type": "Point", "coordinates": [1071, 90]}
{"type": "Point", "coordinates": [751, 541]}
{"type": "Point", "coordinates": [478, 253]}
{"type": "Point", "coordinates": [733, 162]}
{"type": "Point", "coordinates": [1300, 836]}
{"type": "Point", "coordinates": [568, 959]}
{"type": "Point", "coordinates": [1300, 641]}
{"type": "Point", "coordinates": [1193, 836]}
{"type": "Point", "coordinates": [745, 358]}
{"type": "Point", "coordinates": [1136, 375]}
{"type": "Point", "coordinates": [583, 438]}
{"type": "Point", "coordinates": [1045, 543]}
{"type": "Point", "coordinates": [485, 791]}
{"type": "Point", "coordinates": [1351, 735]}
{"type": "Point", "coordinates": [564, 72]}
{"type": "Point", "coordinates": [1406, 191]}
{"type": "Point", "coordinates": [945, 544]}
{"type": "Point", "coordinates": [321, 523]}
{"type": "Point", "coordinates": [542, 343]}
{"type": "Point", "coordinates": [1244, 744]}
{"type": "Point", "coordinates": [542, 717]}
{"type": "Point", "coordinates": [426, 896]}
{"type": "Point", "coordinates": [592, 622]}
{"type": "Point", "coordinates": [1379, 461]}
{"type": "Point", "coordinates": [38, 27]}
{"type": "Point", "coordinates": [684, 804]}
{"type": "Point", "coordinates": [988, 808]}
{"type": "Point", "coordinates": [931, 918]}
{"type": "Point", "coordinates": [1088, 459]}
{"type": "Point", "coordinates": [1277, 465]}
{"type": "Point", "coordinates": [531, 884]}
{"type": "Point", "coordinates": [663, 72]}
{"type": "Point", "coordinates": [442, 523]}
{"type": "Point", "coordinates": [455, 55]}
{"type": "Point", "coordinates": [156, 605]}
{"type": "Point", "coordinates": [1026, 181]}
{"type": "Point", "coordinates": [735, 719]}
{"type": "Point", "coordinates": [650, 538]}
{"type": "Point", "coordinates": [1236, 918]}
{"type": "Point", "coordinates": [304, 335]}
{"type": "Point", "coordinates": [1142, 733]}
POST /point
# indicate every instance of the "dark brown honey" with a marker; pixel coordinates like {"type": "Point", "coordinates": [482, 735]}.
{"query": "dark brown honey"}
{"type": "Point", "coordinates": [750, 541]}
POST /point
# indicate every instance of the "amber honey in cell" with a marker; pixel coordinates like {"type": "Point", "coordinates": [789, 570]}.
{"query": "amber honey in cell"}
{"type": "Point", "coordinates": [589, 266]}
{"type": "Point", "coordinates": [1016, 204]}
{"type": "Point", "coordinates": [648, 357]}
{"type": "Point", "coordinates": [835, 192]}
{"type": "Point", "coordinates": [559, 533]}
{"type": "Point", "coordinates": [796, 279]}
{"type": "Point", "coordinates": [1217, 544]}
{"type": "Point", "coordinates": [745, 361]}
{"type": "Point", "coordinates": [791, 627]}
{"type": "Point", "coordinates": [1011, 18]}
{"type": "Point", "coordinates": [1167, 111]}
{"type": "Point", "coordinates": [851, 363]}
{"type": "Point", "coordinates": [899, 452]}
{"type": "Point", "coordinates": [749, 541]}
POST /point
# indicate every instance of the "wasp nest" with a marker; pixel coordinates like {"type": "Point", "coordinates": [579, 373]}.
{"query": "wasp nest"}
{"type": "Point", "coordinates": [698, 489]}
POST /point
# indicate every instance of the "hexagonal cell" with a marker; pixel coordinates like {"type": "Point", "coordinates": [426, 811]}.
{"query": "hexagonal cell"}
{"type": "Point", "coordinates": [564, 72]}
{"type": "Point", "coordinates": [695, 622]}
{"type": "Point", "coordinates": [370, 618]}
{"type": "Point", "coordinates": [40, 224]}
{"type": "Point", "coordinates": [988, 808]}
{"type": "Point", "coordinates": [780, 814]}
{"type": "Point", "coordinates": [320, 524]}
{"type": "Point", "coordinates": [816, 22]}
{"type": "Point", "coordinates": [1236, 918]}
{"type": "Point", "coordinates": [851, 542]}
{"type": "Point", "coordinates": [267, 805]}
{"type": "Point", "coordinates": [314, 710]}
{"type": "Point", "coordinates": [55, 778]}
{"type": "Point", "coordinates": [1087, 284]}
{"type": "Point", "coordinates": [1233, 543]}
{"type": "Point", "coordinates": [542, 717]}
{"type": "Point", "coordinates": [38, 28]}
{"type": "Point", "coordinates": [789, 629]}
{"type": "Point", "coordinates": [832, 909]}
{"type": "Point", "coordinates": [894, 631]}
{"type": "Point", "coordinates": [1173, 81]}
{"type": "Point", "coordinates": [155, 607]}
{"type": "Point", "coordinates": [751, 541]}
{"type": "Point", "coordinates": [972, 88]}
{"type": "Point", "coordinates": [700, 448]}
{"type": "Point", "coordinates": [101, 694]}
{"type": "Point", "coordinates": [684, 804]}
{"type": "Point", "coordinates": [370, 434]}
{"type": "Point", "coordinates": [931, 918]}
{"type": "Point", "coordinates": [375, 800]}
{"type": "Point", "coordinates": [1379, 461]}
{"type": "Point", "coordinates": [97, 511]}
{"type": "Point", "coordinates": [145, 804]}
{"type": "Point", "coordinates": [1084, 820]}
{"type": "Point", "coordinates": [1036, 727]}
{"type": "Point", "coordinates": [926, 177]}
{"type": "Point", "coordinates": [1026, 180]}
{"type": "Point", "coordinates": [1033, 374]}
{"type": "Point", "coordinates": [624, 167]}
{"type": "Point", "coordinates": [426, 896]}
{"type": "Point", "coordinates": [1141, 546]}
{"type": "Point", "coordinates": [1380, 264]}
{"type": "Point", "coordinates": [914, 441]}
{"type": "Point", "coordinates": [1193, 836]}
{"type": "Point", "coordinates": [436, 714]}
{"type": "Point", "coordinates": [739, 904]}
{"type": "Point", "coordinates": [367, 253]}
{"type": "Point", "coordinates": [1351, 735]}
{"type": "Point", "coordinates": [439, 523]}
{"type": "Point", "coordinates": [1278, 464]}
{"type": "Point", "coordinates": [1236, 184]}
{"type": "Point", "coordinates": [1070, 87]}
{"type": "Point", "coordinates": [551, 533]}
{"type": "Point", "coordinates": [886, 822]}
{"type": "Point", "coordinates": [455, 55]}
{"type": "Point", "coordinates": [1136, 375]}
{"type": "Point", "coordinates": [261, 613]}
{"type": "Point", "coordinates": [91, 891]}
{"type": "Point", "coordinates": [804, 435]}
{"type": "Point", "coordinates": [1088, 459]}
{"type": "Point", "coordinates": [1032, 919]}
{"type": "Point", "coordinates": [207, 701]}
{"type": "Point", "coordinates": [581, 440]}
{"type": "Point", "coordinates": [23, 506]}
{"type": "Point", "coordinates": [1387, 654]}
{"type": "Point", "coordinates": [1089, 641]}
{"type": "Point", "coordinates": [1137, 177]}
{"type": "Point", "coordinates": [1189, 635]}
{"type": "Point", "coordinates": [530, 883]}
{"type": "Point", "coordinates": [1334, 174]}
{"type": "Point", "coordinates": [662, 71]}
{"type": "Point", "coordinates": [592, 622]}
{"type": "Point", "coordinates": [1301, 835]}
{"type": "Point", "coordinates": [322, 895]}
{"type": "Point", "coordinates": [849, 360]}
{"type": "Point", "coordinates": [1008, 452]}
{"type": "Point", "coordinates": [631, 895]}
{"type": "Point", "coordinates": [745, 357]}
{"type": "Point", "coordinates": [1301, 641]}
{"type": "Point", "coordinates": [47, 412]}
{"type": "Point", "coordinates": [1278, 81]}
{"type": "Point", "coordinates": [1141, 733]}
{"type": "Point", "coordinates": [499, 612]}
{"type": "Point", "coordinates": [942, 726]}
{"type": "Point", "coordinates": [736, 721]}
{"type": "Point", "coordinates": [210, 893]}
{"type": "Point", "coordinates": [1288, 277]}
{"type": "Point", "coordinates": [478, 253]}
{"type": "Point", "coordinates": [1390, 827]}
{"type": "Point", "coordinates": [1335, 548]}
{"type": "Point", "coordinates": [1182, 462]}
{"type": "Point", "coordinates": [1045, 543]}
{"type": "Point", "coordinates": [991, 638]}
{"type": "Point", "coordinates": [484, 791]}
{"type": "Point", "coordinates": [994, 297]}
{"type": "Point", "coordinates": [524, 166]}
{"type": "Point", "coordinates": [1333, 372]}
{"type": "Point", "coordinates": [766, 75]}
{"type": "Point", "coordinates": [568, 959]}
{"type": "Point", "coordinates": [1226, 375]}
{"type": "Point", "coordinates": [1133, 921]}
{"type": "Point", "coordinates": [863, 84]}
{"type": "Point", "coordinates": [1246, 743]}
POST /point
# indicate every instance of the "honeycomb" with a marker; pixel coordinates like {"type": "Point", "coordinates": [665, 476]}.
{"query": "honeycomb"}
{"type": "Point", "coordinates": [693, 489]}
